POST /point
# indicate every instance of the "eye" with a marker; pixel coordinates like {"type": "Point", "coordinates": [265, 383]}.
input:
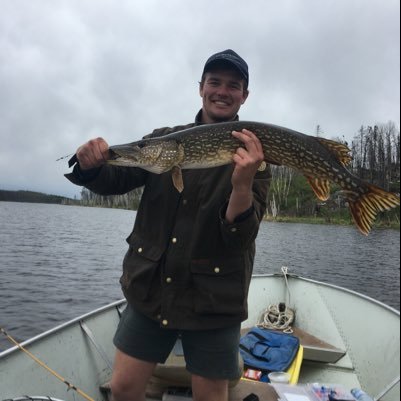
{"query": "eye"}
{"type": "Point", "coordinates": [236, 87]}
{"type": "Point", "coordinates": [213, 83]}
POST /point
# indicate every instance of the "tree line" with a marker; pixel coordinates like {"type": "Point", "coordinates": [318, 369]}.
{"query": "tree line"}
{"type": "Point", "coordinates": [31, 197]}
{"type": "Point", "coordinates": [376, 159]}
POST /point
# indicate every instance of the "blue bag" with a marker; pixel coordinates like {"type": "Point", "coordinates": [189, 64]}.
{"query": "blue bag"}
{"type": "Point", "coordinates": [268, 351]}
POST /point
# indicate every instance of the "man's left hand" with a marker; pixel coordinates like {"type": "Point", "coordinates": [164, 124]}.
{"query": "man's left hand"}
{"type": "Point", "coordinates": [247, 160]}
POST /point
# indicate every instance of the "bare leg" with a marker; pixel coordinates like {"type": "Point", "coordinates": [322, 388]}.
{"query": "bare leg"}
{"type": "Point", "coordinates": [130, 378]}
{"type": "Point", "coordinates": [209, 390]}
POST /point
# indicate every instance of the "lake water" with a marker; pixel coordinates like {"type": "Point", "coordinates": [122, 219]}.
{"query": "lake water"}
{"type": "Point", "coordinates": [58, 262]}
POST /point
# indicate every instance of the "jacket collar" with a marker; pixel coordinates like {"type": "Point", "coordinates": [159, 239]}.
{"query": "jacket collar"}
{"type": "Point", "coordinates": [198, 118]}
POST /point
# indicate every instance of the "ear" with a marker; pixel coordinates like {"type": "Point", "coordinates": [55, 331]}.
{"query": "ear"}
{"type": "Point", "coordinates": [245, 95]}
{"type": "Point", "coordinates": [201, 89]}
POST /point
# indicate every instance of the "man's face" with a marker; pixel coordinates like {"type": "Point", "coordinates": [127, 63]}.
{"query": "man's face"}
{"type": "Point", "coordinates": [223, 93]}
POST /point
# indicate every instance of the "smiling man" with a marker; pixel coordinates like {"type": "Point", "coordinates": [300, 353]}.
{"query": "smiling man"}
{"type": "Point", "coordinates": [224, 87]}
{"type": "Point", "coordinates": [190, 258]}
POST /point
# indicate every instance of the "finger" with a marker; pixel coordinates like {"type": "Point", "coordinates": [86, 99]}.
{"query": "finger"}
{"type": "Point", "coordinates": [255, 140]}
{"type": "Point", "coordinates": [252, 154]}
{"type": "Point", "coordinates": [249, 139]}
{"type": "Point", "coordinates": [84, 159]}
{"type": "Point", "coordinates": [101, 150]}
{"type": "Point", "coordinates": [245, 135]}
{"type": "Point", "coordinates": [95, 150]}
{"type": "Point", "coordinates": [93, 154]}
{"type": "Point", "coordinates": [238, 159]}
{"type": "Point", "coordinates": [242, 153]}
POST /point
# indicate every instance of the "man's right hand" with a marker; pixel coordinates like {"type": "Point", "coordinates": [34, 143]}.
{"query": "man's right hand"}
{"type": "Point", "coordinates": [93, 154]}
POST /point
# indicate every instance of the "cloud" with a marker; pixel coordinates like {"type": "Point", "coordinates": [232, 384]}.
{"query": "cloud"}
{"type": "Point", "coordinates": [75, 70]}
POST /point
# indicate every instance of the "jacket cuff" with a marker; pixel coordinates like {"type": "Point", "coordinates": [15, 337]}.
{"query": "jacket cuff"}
{"type": "Point", "coordinates": [243, 231]}
{"type": "Point", "coordinates": [81, 177]}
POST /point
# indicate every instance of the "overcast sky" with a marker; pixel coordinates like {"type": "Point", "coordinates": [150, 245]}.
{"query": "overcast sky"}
{"type": "Point", "coordinates": [77, 69]}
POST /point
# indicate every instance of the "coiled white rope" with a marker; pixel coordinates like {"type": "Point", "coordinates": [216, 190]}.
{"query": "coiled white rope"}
{"type": "Point", "coordinates": [279, 316]}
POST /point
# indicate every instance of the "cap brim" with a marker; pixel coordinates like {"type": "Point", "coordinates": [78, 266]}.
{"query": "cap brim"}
{"type": "Point", "coordinates": [224, 61]}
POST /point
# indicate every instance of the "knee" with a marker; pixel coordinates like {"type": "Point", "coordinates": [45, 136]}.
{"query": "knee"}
{"type": "Point", "coordinates": [130, 378]}
{"type": "Point", "coordinates": [125, 391]}
{"type": "Point", "coordinates": [209, 390]}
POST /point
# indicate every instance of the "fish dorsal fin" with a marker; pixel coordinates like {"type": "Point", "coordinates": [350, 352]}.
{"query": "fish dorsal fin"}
{"type": "Point", "coordinates": [320, 187]}
{"type": "Point", "coordinates": [340, 151]}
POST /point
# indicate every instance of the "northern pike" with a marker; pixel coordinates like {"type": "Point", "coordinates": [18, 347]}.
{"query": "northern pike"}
{"type": "Point", "coordinates": [320, 160]}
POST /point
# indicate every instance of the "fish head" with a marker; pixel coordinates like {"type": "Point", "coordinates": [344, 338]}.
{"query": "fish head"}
{"type": "Point", "coordinates": [153, 155]}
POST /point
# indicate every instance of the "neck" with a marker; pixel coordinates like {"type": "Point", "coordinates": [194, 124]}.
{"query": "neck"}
{"type": "Point", "coordinates": [204, 118]}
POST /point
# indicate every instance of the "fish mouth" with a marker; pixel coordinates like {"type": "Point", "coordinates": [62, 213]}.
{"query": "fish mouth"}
{"type": "Point", "coordinates": [123, 154]}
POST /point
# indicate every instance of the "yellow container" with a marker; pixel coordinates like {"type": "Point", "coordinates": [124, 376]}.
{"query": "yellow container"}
{"type": "Point", "coordinates": [295, 368]}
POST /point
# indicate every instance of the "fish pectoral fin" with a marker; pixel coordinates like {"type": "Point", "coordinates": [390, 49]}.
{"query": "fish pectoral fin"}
{"type": "Point", "coordinates": [341, 152]}
{"type": "Point", "coordinates": [320, 186]}
{"type": "Point", "coordinates": [176, 175]}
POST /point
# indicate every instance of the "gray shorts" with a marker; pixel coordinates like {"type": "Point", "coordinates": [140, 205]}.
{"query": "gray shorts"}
{"type": "Point", "coordinates": [213, 354]}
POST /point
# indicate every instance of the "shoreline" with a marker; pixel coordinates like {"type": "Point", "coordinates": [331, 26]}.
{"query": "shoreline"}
{"type": "Point", "coordinates": [379, 224]}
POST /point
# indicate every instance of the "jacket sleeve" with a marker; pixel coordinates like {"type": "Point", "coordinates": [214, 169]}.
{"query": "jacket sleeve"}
{"type": "Point", "coordinates": [243, 231]}
{"type": "Point", "coordinates": [109, 180]}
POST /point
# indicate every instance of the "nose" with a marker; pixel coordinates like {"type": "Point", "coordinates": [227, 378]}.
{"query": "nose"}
{"type": "Point", "coordinates": [222, 91]}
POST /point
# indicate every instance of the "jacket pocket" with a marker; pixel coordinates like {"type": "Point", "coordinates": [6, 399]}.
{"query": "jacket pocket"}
{"type": "Point", "coordinates": [140, 265]}
{"type": "Point", "coordinates": [220, 285]}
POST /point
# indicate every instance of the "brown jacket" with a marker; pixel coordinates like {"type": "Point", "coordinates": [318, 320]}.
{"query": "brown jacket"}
{"type": "Point", "coordinates": [186, 266]}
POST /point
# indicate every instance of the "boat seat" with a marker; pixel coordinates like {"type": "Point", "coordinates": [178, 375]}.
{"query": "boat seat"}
{"type": "Point", "coordinates": [154, 390]}
{"type": "Point", "coordinates": [174, 371]}
{"type": "Point", "coordinates": [314, 348]}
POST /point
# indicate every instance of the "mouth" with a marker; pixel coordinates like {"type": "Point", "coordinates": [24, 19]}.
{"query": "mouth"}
{"type": "Point", "coordinates": [221, 103]}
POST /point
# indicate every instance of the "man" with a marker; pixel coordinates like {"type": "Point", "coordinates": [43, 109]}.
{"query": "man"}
{"type": "Point", "coordinates": [189, 263]}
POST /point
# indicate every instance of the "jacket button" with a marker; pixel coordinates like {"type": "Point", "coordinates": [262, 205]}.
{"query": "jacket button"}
{"type": "Point", "coordinates": [262, 166]}
{"type": "Point", "coordinates": [169, 280]}
{"type": "Point", "coordinates": [174, 240]}
{"type": "Point", "coordinates": [140, 250]}
{"type": "Point", "coordinates": [234, 230]}
{"type": "Point", "coordinates": [217, 270]}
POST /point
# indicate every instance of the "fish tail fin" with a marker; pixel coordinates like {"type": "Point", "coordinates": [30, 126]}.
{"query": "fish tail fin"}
{"type": "Point", "coordinates": [365, 207]}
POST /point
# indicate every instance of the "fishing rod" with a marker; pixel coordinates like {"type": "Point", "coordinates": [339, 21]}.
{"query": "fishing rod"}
{"type": "Point", "coordinates": [43, 365]}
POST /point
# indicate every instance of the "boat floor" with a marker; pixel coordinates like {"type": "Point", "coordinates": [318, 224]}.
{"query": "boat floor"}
{"type": "Point", "coordinates": [244, 388]}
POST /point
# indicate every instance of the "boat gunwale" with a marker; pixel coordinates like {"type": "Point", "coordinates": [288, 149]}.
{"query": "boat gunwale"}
{"type": "Point", "coordinates": [120, 302]}
{"type": "Point", "coordinates": [62, 326]}
{"type": "Point", "coordinates": [337, 287]}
